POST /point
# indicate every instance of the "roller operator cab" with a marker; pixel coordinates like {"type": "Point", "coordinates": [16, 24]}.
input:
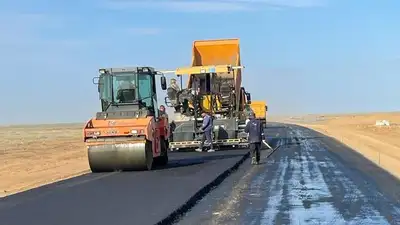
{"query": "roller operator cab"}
{"type": "Point", "coordinates": [129, 133]}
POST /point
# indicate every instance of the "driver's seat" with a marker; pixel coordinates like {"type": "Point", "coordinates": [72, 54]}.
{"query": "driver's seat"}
{"type": "Point", "coordinates": [126, 95]}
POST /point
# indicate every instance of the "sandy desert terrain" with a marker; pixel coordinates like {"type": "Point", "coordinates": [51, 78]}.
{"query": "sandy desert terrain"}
{"type": "Point", "coordinates": [35, 155]}
{"type": "Point", "coordinates": [31, 156]}
{"type": "Point", "coordinates": [380, 144]}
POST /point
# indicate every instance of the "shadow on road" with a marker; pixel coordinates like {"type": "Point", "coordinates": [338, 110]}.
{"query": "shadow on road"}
{"type": "Point", "coordinates": [196, 160]}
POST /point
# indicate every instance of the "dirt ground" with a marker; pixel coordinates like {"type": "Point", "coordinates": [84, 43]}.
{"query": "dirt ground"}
{"type": "Point", "coordinates": [31, 156]}
{"type": "Point", "coordinates": [35, 155]}
{"type": "Point", "coordinates": [380, 144]}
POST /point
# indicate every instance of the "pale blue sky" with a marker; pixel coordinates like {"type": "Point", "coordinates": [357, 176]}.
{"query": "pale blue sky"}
{"type": "Point", "coordinates": [301, 56]}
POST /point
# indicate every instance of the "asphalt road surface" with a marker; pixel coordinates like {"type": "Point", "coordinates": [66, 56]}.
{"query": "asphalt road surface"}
{"type": "Point", "coordinates": [310, 179]}
{"type": "Point", "coordinates": [118, 198]}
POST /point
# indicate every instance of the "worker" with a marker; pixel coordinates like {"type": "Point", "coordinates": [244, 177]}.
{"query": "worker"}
{"type": "Point", "coordinates": [126, 92]}
{"type": "Point", "coordinates": [163, 112]}
{"type": "Point", "coordinates": [174, 85]}
{"type": "Point", "coordinates": [196, 86]}
{"type": "Point", "coordinates": [207, 135]}
{"type": "Point", "coordinates": [125, 84]}
{"type": "Point", "coordinates": [172, 93]}
{"type": "Point", "coordinates": [172, 127]}
{"type": "Point", "coordinates": [256, 135]}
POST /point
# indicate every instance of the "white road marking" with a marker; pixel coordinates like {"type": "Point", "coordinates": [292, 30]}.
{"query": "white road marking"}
{"type": "Point", "coordinates": [309, 200]}
{"type": "Point", "coordinates": [276, 196]}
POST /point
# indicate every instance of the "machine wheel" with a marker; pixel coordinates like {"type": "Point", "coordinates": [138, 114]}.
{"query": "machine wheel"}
{"type": "Point", "coordinates": [149, 155]}
{"type": "Point", "coordinates": [126, 157]}
{"type": "Point", "coordinates": [96, 170]}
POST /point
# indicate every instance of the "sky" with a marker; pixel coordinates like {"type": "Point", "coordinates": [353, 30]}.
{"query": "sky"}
{"type": "Point", "coordinates": [301, 56]}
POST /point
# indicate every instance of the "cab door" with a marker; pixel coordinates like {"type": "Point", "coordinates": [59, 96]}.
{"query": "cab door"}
{"type": "Point", "coordinates": [156, 130]}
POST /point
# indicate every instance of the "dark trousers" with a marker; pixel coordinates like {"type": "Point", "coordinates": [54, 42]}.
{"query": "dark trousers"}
{"type": "Point", "coordinates": [171, 131]}
{"type": "Point", "coordinates": [167, 143]}
{"type": "Point", "coordinates": [207, 135]}
{"type": "Point", "coordinates": [255, 150]}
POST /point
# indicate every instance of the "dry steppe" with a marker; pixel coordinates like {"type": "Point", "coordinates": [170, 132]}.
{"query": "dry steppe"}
{"type": "Point", "coordinates": [35, 155]}
{"type": "Point", "coordinates": [380, 144]}
{"type": "Point", "coordinates": [31, 156]}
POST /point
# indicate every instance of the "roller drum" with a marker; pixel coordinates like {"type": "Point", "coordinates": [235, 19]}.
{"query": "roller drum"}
{"type": "Point", "coordinates": [111, 157]}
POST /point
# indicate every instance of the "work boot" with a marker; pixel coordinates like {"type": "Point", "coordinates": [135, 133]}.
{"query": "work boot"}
{"type": "Point", "coordinates": [253, 160]}
{"type": "Point", "coordinates": [198, 149]}
{"type": "Point", "coordinates": [211, 150]}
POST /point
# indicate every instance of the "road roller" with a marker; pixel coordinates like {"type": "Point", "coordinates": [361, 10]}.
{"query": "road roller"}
{"type": "Point", "coordinates": [128, 133]}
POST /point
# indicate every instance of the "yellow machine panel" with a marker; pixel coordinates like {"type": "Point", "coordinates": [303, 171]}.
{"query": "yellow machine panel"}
{"type": "Point", "coordinates": [218, 52]}
{"type": "Point", "coordinates": [206, 103]}
{"type": "Point", "coordinates": [260, 110]}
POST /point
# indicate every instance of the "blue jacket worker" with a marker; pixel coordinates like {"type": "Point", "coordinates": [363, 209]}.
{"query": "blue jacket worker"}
{"type": "Point", "coordinates": [207, 127]}
{"type": "Point", "coordinates": [256, 135]}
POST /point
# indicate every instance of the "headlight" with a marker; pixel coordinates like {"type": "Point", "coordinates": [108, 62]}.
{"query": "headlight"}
{"type": "Point", "coordinates": [137, 132]}
{"type": "Point", "coordinates": [93, 133]}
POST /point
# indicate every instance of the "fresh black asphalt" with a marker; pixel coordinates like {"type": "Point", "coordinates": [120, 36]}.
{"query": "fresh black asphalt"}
{"type": "Point", "coordinates": [310, 179]}
{"type": "Point", "coordinates": [119, 198]}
